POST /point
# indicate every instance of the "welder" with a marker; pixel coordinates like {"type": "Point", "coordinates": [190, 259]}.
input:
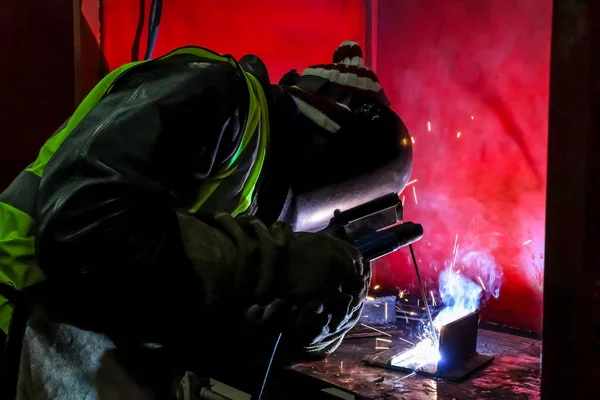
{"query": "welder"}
{"type": "Point", "coordinates": [179, 204]}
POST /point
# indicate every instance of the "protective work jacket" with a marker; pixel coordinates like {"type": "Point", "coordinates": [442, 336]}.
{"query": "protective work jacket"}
{"type": "Point", "coordinates": [18, 267]}
{"type": "Point", "coordinates": [93, 218]}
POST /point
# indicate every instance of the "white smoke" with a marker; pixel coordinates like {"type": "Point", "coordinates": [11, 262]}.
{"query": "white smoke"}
{"type": "Point", "coordinates": [482, 266]}
{"type": "Point", "coordinates": [460, 295]}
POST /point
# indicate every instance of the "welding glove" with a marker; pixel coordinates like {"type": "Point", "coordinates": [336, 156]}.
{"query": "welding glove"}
{"type": "Point", "coordinates": [309, 284]}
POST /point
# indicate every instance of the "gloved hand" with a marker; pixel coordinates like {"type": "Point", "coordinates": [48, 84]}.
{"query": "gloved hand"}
{"type": "Point", "coordinates": [325, 284]}
{"type": "Point", "coordinates": [327, 281]}
{"type": "Point", "coordinates": [311, 284]}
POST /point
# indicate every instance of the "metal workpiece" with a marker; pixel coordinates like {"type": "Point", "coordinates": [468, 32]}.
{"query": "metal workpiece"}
{"type": "Point", "coordinates": [457, 349]}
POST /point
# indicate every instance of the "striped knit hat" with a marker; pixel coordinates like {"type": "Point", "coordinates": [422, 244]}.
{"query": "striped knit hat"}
{"type": "Point", "coordinates": [323, 89]}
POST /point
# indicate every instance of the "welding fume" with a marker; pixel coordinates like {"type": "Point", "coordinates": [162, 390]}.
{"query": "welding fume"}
{"type": "Point", "coordinates": [190, 205]}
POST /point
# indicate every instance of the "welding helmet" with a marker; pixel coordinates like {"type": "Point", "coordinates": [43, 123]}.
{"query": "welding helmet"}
{"type": "Point", "coordinates": [350, 147]}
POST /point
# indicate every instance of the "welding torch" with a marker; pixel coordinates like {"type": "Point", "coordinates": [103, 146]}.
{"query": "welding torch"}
{"type": "Point", "coordinates": [375, 228]}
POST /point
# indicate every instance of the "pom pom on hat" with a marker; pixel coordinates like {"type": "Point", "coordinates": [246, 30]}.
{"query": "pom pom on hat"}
{"type": "Point", "coordinates": [349, 84]}
{"type": "Point", "coordinates": [348, 53]}
{"type": "Point", "coordinates": [348, 73]}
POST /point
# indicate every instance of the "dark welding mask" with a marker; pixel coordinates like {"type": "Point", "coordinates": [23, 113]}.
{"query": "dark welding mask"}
{"type": "Point", "coordinates": [350, 153]}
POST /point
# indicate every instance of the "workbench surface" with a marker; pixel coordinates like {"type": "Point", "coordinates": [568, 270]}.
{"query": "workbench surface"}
{"type": "Point", "coordinates": [514, 374]}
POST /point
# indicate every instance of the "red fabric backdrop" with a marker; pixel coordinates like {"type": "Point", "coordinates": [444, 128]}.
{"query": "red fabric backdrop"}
{"type": "Point", "coordinates": [285, 34]}
{"type": "Point", "coordinates": [480, 68]}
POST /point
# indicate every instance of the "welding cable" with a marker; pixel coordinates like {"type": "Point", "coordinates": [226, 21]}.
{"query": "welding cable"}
{"type": "Point", "coordinates": [135, 49]}
{"type": "Point", "coordinates": [264, 383]}
{"type": "Point", "coordinates": [153, 24]}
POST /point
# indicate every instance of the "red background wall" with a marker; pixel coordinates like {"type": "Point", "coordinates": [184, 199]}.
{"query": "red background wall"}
{"type": "Point", "coordinates": [37, 72]}
{"type": "Point", "coordinates": [285, 34]}
{"type": "Point", "coordinates": [480, 68]}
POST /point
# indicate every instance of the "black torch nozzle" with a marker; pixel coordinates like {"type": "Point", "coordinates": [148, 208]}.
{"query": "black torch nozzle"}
{"type": "Point", "coordinates": [380, 243]}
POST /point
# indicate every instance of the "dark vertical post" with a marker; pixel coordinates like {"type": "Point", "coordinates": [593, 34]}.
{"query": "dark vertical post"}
{"type": "Point", "coordinates": [90, 63]}
{"type": "Point", "coordinates": [371, 23]}
{"type": "Point", "coordinates": [571, 337]}
{"type": "Point", "coordinates": [77, 51]}
{"type": "Point", "coordinates": [36, 43]}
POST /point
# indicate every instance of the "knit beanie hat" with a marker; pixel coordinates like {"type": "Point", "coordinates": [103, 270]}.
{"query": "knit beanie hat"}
{"type": "Point", "coordinates": [323, 89]}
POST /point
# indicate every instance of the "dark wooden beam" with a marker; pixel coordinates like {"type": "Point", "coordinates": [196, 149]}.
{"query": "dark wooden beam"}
{"type": "Point", "coordinates": [90, 63]}
{"type": "Point", "coordinates": [36, 43]}
{"type": "Point", "coordinates": [371, 30]}
{"type": "Point", "coordinates": [571, 347]}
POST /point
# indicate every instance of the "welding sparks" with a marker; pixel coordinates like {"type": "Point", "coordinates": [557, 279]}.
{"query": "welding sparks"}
{"type": "Point", "coordinates": [429, 126]}
{"type": "Point", "coordinates": [404, 377]}
{"type": "Point", "coordinates": [455, 244]}
{"type": "Point", "coordinates": [386, 312]}
{"type": "Point", "coordinates": [411, 182]}
{"type": "Point", "coordinates": [370, 298]}
{"type": "Point", "coordinates": [407, 341]}
{"type": "Point", "coordinates": [341, 365]}
{"type": "Point", "coordinates": [402, 201]}
{"type": "Point", "coordinates": [423, 353]}
{"type": "Point", "coordinates": [527, 242]}
{"type": "Point", "coordinates": [472, 117]}
{"type": "Point", "coordinates": [480, 281]}
{"type": "Point", "coordinates": [458, 135]}
{"type": "Point", "coordinates": [455, 254]}
{"type": "Point", "coordinates": [383, 340]}
{"type": "Point", "coordinates": [381, 348]}
{"type": "Point", "coordinates": [401, 294]}
{"type": "Point", "coordinates": [376, 287]}
{"type": "Point", "coordinates": [415, 193]}
{"type": "Point", "coordinates": [412, 139]}
{"type": "Point", "coordinates": [376, 330]}
{"type": "Point", "coordinates": [432, 298]}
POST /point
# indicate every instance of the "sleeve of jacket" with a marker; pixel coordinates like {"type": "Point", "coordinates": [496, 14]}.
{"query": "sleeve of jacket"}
{"type": "Point", "coordinates": [108, 238]}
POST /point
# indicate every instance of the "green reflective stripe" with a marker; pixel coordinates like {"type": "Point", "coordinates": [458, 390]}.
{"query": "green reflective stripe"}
{"type": "Point", "coordinates": [22, 191]}
{"type": "Point", "coordinates": [260, 107]}
{"type": "Point", "coordinates": [204, 53]}
{"type": "Point", "coordinates": [84, 108]}
{"type": "Point", "coordinates": [18, 266]}
{"type": "Point", "coordinates": [257, 123]}
{"type": "Point", "coordinates": [6, 310]}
